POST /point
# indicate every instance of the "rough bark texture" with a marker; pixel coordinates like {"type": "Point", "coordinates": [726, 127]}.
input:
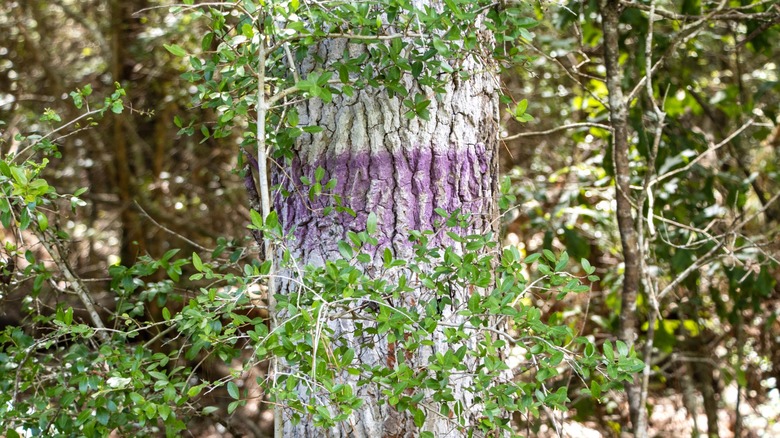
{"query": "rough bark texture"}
{"type": "Point", "coordinates": [402, 170]}
{"type": "Point", "coordinates": [610, 12]}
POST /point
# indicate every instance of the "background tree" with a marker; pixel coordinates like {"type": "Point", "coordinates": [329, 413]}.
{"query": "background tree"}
{"type": "Point", "coordinates": [689, 124]}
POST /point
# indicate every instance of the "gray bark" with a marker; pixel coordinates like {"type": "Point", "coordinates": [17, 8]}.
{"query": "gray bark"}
{"type": "Point", "coordinates": [402, 170]}
{"type": "Point", "coordinates": [628, 331]}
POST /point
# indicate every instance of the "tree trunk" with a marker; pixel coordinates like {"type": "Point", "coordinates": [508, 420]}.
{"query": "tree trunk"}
{"type": "Point", "coordinates": [133, 241]}
{"type": "Point", "coordinates": [402, 170]}
{"type": "Point", "coordinates": [610, 13]}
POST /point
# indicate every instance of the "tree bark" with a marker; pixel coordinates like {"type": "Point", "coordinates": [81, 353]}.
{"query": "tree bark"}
{"type": "Point", "coordinates": [402, 170]}
{"type": "Point", "coordinates": [133, 242]}
{"type": "Point", "coordinates": [610, 13]}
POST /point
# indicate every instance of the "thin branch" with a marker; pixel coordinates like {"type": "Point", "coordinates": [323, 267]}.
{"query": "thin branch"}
{"type": "Point", "coordinates": [702, 155]}
{"type": "Point", "coordinates": [81, 290]}
{"type": "Point", "coordinates": [54, 131]}
{"type": "Point", "coordinates": [687, 32]}
{"type": "Point", "coordinates": [191, 7]}
{"type": "Point", "coordinates": [708, 256]}
{"type": "Point", "coordinates": [571, 76]}
{"type": "Point", "coordinates": [759, 31]}
{"type": "Point", "coordinates": [720, 14]}
{"type": "Point", "coordinates": [273, 48]}
{"type": "Point", "coordinates": [169, 231]}
{"type": "Point", "coordinates": [265, 201]}
{"type": "Point", "coordinates": [559, 128]}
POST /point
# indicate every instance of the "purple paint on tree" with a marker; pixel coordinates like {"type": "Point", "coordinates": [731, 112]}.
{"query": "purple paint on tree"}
{"type": "Point", "coordinates": [404, 189]}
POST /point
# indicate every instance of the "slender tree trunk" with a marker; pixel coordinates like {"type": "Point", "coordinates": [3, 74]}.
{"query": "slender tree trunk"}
{"type": "Point", "coordinates": [402, 170]}
{"type": "Point", "coordinates": [132, 235]}
{"type": "Point", "coordinates": [610, 13]}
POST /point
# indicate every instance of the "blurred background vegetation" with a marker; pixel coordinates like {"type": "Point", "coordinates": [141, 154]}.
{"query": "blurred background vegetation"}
{"type": "Point", "coordinates": [709, 251]}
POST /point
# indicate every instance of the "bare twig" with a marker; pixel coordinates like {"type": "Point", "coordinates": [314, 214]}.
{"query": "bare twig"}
{"type": "Point", "coordinates": [169, 231]}
{"type": "Point", "coordinates": [570, 75]}
{"type": "Point", "coordinates": [731, 14]}
{"type": "Point", "coordinates": [557, 129]}
{"type": "Point", "coordinates": [685, 168]}
{"type": "Point", "coordinates": [56, 252]}
{"type": "Point", "coordinates": [56, 130]}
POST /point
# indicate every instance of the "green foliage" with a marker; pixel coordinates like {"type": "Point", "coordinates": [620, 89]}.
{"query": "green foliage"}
{"type": "Point", "coordinates": [399, 40]}
{"type": "Point", "coordinates": [699, 174]}
{"type": "Point", "coordinates": [71, 380]}
{"type": "Point", "coordinates": [68, 382]}
{"type": "Point", "coordinates": [129, 377]}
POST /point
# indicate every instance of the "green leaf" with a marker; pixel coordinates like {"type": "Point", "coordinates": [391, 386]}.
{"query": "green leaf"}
{"type": "Point", "coordinates": [209, 410]}
{"type": "Point", "coordinates": [622, 348]}
{"type": "Point", "coordinates": [371, 223]}
{"type": "Point", "coordinates": [312, 129]}
{"type": "Point", "coordinates": [345, 249]}
{"type": "Point", "coordinates": [249, 5]}
{"type": "Point", "coordinates": [19, 176]}
{"type": "Point", "coordinates": [43, 221]}
{"type": "Point", "coordinates": [532, 258]}
{"type": "Point", "coordinates": [562, 262]}
{"type": "Point", "coordinates": [419, 417]}
{"type": "Point", "coordinates": [521, 107]}
{"type": "Point", "coordinates": [271, 221]}
{"type": "Point", "coordinates": [586, 266]}
{"type": "Point", "coordinates": [197, 262]}
{"type": "Point", "coordinates": [609, 353]}
{"type": "Point", "coordinates": [440, 47]}
{"type": "Point", "coordinates": [5, 169]}
{"type": "Point", "coordinates": [205, 43]}
{"type": "Point", "coordinates": [257, 220]}
{"type": "Point", "coordinates": [102, 416]}
{"type": "Point", "coordinates": [595, 389]}
{"type": "Point", "coordinates": [247, 31]}
{"type": "Point", "coordinates": [232, 390]}
{"type": "Point", "coordinates": [175, 49]}
{"type": "Point", "coordinates": [349, 355]}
